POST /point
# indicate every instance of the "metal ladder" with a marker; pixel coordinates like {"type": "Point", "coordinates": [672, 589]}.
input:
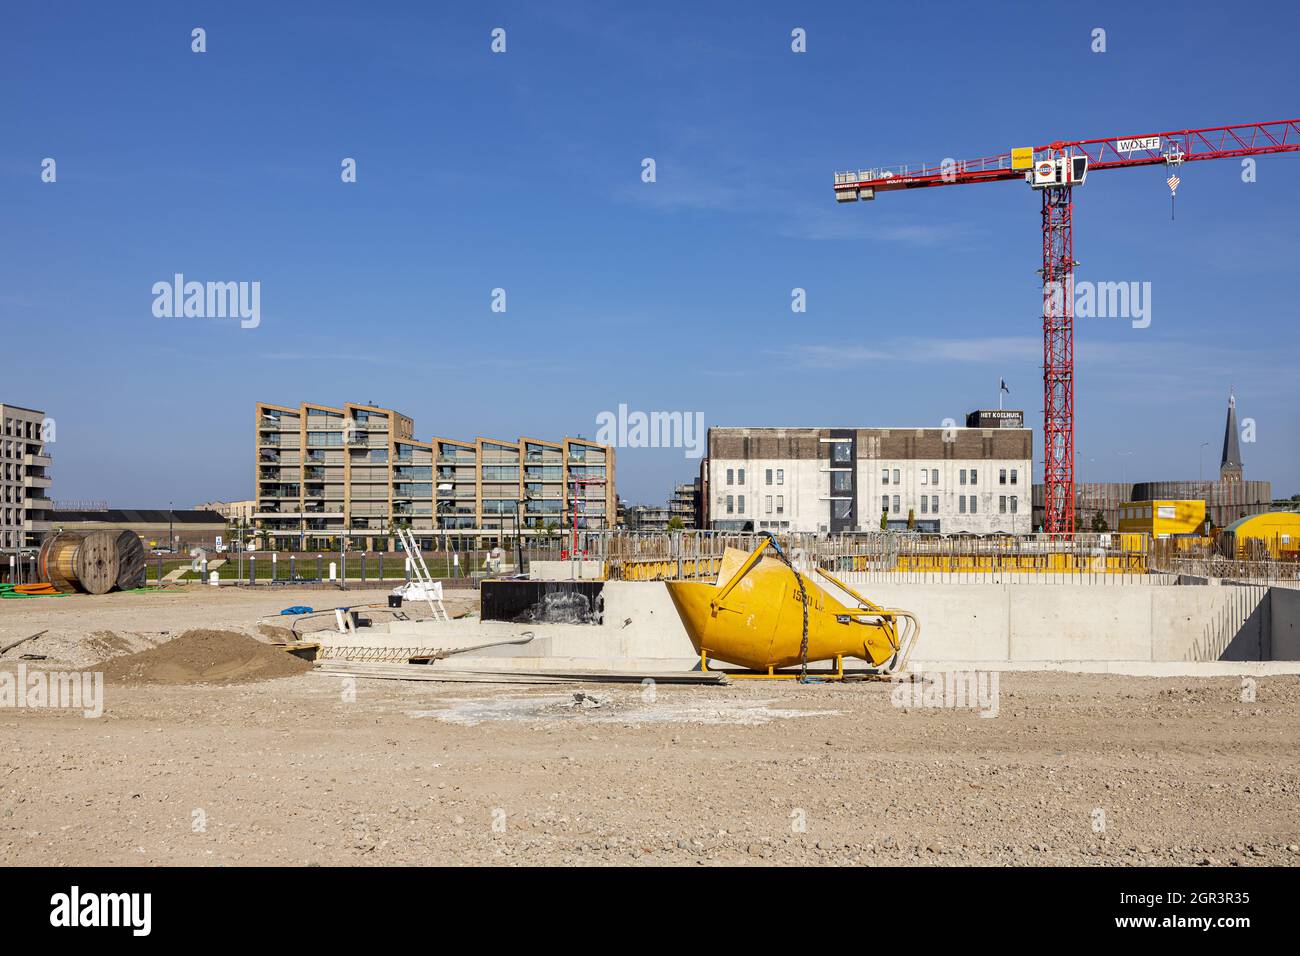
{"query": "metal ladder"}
{"type": "Point", "coordinates": [422, 576]}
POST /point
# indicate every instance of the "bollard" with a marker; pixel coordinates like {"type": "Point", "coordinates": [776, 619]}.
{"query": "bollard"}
{"type": "Point", "coordinates": [203, 570]}
{"type": "Point", "coordinates": [363, 567]}
{"type": "Point", "coordinates": [408, 570]}
{"type": "Point", "coordinates": [252, 573]}
{"type": "Point", "coordinates": [381, 566]}
{"type": "Point", "coordinates": [333, 570]}
{"type": "Point", "coordinates": [214, 579]}
{"type": "Point", "coordinates": [319, 575]}
{"type": "Point", "coordinates": [275, 565]}
{"type": "Point", "coordinates": [293, 567]}
{"type": "Point", "coordinates": [160, 569]}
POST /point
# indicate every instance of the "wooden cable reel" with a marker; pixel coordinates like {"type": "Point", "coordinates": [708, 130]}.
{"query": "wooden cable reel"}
{"type": "Point", "coordinates": [92, 562]}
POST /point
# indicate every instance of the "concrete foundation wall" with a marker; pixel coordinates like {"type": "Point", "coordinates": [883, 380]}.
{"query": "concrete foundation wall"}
{"type": "Point", "coordinates": [1026, 623]}
{"type": "Point", "coordinates": [998, 625]}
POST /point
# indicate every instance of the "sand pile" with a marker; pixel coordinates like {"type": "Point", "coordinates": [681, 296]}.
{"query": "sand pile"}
{"type": "Point", "coordinates": [205, 657]}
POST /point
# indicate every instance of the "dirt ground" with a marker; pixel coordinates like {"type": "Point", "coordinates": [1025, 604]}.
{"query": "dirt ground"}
{"type": "Point", "coordinates": [310, 769]}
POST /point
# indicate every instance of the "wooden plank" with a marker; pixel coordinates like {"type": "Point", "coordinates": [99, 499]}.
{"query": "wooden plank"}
{"type": "Point", "coordinates": [24, 640]}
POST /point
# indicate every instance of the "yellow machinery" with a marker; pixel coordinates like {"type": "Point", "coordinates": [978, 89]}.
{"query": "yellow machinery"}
{"type": "Point", "coordinates": [758, 612]}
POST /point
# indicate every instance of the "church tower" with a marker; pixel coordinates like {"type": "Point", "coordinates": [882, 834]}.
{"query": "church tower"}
{"type": "Point", "coordinates": [1230, 463]}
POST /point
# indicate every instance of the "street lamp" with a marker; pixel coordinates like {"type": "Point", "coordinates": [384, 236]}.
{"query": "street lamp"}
{"type": "Point", "coordinates": [1122, 455]}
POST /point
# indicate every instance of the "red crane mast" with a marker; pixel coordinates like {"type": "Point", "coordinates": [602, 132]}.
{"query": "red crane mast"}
{"type": "Point", "coordinates": [1055, 169]}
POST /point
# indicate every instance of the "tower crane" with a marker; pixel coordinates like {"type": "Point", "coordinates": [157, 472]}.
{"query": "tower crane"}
{"type": "Point", "coordinates": [1054, 170]}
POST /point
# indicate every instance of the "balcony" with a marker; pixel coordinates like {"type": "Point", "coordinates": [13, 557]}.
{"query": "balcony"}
{"type": "Point", "coordinates": [39, 504]}
{"type": "Point", "coordinates": [37, 481]}
{"type": "Point", "coordinates": [37, 460]}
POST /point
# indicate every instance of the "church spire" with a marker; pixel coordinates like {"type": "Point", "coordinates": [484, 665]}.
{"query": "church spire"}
{"type": "Point", "coordinates": [1230, 462]}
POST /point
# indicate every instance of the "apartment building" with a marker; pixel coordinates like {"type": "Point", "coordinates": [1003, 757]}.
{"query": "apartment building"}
{"type": "Point", "coordinates": [684, 505]}
{"type": "Point", "coordinates": [972, 480]}
{"type": "Point", "coordinates": [357, 472]}
{"type": "Point", "coordinates": [24, 478]}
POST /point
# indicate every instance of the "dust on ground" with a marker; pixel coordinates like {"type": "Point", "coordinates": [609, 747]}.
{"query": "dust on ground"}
{"type": "Point", "coordinates": [311, 769]}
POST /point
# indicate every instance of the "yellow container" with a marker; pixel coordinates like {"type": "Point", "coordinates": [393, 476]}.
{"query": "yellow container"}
{"type": "Point", "coordinates": [1162, 519]}
{"type": "Point", "coordinates": [753, 617]}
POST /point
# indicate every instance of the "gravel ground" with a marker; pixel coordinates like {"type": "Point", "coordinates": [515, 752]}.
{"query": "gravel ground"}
{"type": "Point", "coordinates": [309, 769]}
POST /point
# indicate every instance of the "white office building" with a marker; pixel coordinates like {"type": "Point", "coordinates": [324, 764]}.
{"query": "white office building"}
{"type": "Point", "coordinates": [974, 480]}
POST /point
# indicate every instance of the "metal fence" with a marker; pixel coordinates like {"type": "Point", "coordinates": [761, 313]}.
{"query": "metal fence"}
{"type": "Point", "coordinates": [884, 556]}
{"type": "Point", "coordinates": [1267, 571]}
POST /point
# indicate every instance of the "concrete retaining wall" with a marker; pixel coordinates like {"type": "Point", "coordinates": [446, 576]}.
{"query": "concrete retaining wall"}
{"type": "Point", "coordinates": [1134, 629]}
{"type": "Point", "coordinates": [1024, 623]}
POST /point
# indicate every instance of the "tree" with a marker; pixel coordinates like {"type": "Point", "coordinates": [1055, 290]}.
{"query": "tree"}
{"type": "Point", "coordinates": [911, 519]}
{"type": "Point", "coordinates": [675, 523]}
{"type": "Point", "coordinates": [884, 520]}
{"type": "Point", "coordinates": [1099, 522]}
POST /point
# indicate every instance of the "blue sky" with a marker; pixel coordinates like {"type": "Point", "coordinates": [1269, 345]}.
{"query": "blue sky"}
{"type": "Point", "coordinates": [522, 171]}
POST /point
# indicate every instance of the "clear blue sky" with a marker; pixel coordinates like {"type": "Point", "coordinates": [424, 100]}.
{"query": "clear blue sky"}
{"type": "Point", "coordinates": [523, 171]}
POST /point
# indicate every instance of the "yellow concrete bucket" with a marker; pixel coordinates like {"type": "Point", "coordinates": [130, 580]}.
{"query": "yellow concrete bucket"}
{"type": "Point", "coordinates": [752, 616]}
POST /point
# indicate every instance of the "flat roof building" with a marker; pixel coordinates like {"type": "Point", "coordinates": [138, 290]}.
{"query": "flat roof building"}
{"type": "Point", "coordinates": [974, 480]}
{"type": "Point", "coordinates": [357, 472]}
{"type": "Point", "coordinates": [24, 478]}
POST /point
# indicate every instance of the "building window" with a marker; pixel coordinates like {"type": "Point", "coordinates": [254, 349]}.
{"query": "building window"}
{"type": "Point", "coordinates": [1013, 476]}
{"type": "Point", "coordinates": [973, 500]}
{"type": "Point", "coordinates": [780, 504]}
{"type": "Point", "coordinates": [934, 504]}
{"type": "Point", "coordinates": [740, 478]}
{"type": "Point", "coordinates": [961, 477]}
{"type": "Point", "coordinates": [884, 503]}
{"type": "Point", "coordinates": [884, 476]}
{"type": "Point", "coordinates": [731, 505]}
{"type": "Point", "coordinates": [840, 451]}
{"type": "Point", "coordinates": [767, 476]}
{"type": "Point", "coordinates": [1013, 504]}
{"type": "Point", "coordinates": [925, 504]}
{"type": "Point", "coordinates": [974, 477]}
{"type": "Point", "coordinates": [780, 476]}
{"type": "Point", "coordinates": [1002, 504]}
{"type": "Point", "coordinates": [731, 476]}
{"type": "Point", "coordinates": [961, 504]}
{"type": "Point", "coordinates": [895, 504]}
{"type": "Point", "coordinates": [841, 481]}
{"type": "Point", "coordinates": [925, 476]}
{"type": "Point", "coordinates": [740, 503]}
{"type": "Point", "coordinates": [767, 504]}
{"type": "Point", "coordinates": [1002, 476]}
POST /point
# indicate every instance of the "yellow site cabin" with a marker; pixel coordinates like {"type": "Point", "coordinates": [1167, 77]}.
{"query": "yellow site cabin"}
{"type": "Point", "coordinates": [1162, 519]}
{"type": "Point", "coordinates": [1275, 534]}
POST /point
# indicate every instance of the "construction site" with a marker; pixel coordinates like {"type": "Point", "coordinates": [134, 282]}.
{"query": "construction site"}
{"type": "Point", "coordinates": [667, 699]}
{"type": "Point", "coordinates": [620, 440]}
